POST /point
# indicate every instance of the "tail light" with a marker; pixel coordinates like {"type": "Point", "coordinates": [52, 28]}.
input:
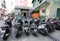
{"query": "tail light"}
{"type": "Point", "coordinates": [56, 23]}
{"type": "Point", "coordinates": [3, 28]}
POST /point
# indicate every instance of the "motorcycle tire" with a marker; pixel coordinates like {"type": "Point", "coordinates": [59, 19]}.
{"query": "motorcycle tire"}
{"type": "Point", "coordinates": [5, 37]}
{"type": "Point", "coordinates": [27, 33]}
{"type": "Point", "coordinates": [44, 32]}
{"type": "Point", "coordinates": [35, 34]}
{"type": "Point", "coordinates": [17, 35]}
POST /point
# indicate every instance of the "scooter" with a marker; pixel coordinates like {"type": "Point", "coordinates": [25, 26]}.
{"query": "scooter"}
{"type": "Point", "coordinates": [26, 27]}
{"type": "Point", "coordinates": [33, 29]}
{"type": "Point", "coordinates": [41, 29]}
{"type": "Point", "coordinates": [18, 28]}
{"type": "Point", "coordinates": [56, 24]}
{"type": "Point", "coordinates": [4, 32]}
{"type": "Point", "coordinates": [49, 26]}
{"type": "Point", "coordinates": [7, 29]}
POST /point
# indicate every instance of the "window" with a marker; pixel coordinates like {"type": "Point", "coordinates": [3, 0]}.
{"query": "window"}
{"type": "Point", "coordinates": [39, 1]}
{"type": "Point", "coordinates": [58, 12]}
{"type": "Point", "coordinates": [43, 11]}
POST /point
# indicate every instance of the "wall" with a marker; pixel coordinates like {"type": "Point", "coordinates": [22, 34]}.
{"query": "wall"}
{"type": "Point", "coordinates": [21, 3]}
{"type": "Point", "coordinates": [54, 9]}
{"type": "Point", "coordinates": [47, 8]}
{"type": "Point", "coordinates": [51, 9]}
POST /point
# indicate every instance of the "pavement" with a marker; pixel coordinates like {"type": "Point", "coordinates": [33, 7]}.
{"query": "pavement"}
{"type": "Point", "coordinates": [40, 37]}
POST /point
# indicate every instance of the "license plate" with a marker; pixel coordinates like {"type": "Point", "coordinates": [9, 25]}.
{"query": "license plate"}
{"type": "Point", "coordinates": [35, 30]}
{"type": "Point", "coordinates": [3, 31]}
{"type": "Point", "coordinates": [7, 34]}
{"type": "Point", "coordinates": [26, 28]}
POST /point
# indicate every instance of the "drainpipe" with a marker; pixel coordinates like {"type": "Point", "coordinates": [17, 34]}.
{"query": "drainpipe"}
{"type": "Point", "coordinates": [45, 11]}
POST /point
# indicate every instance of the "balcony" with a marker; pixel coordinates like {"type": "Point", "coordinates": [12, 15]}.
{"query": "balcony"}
{"type": "Point", "coordinates": [39, 4]}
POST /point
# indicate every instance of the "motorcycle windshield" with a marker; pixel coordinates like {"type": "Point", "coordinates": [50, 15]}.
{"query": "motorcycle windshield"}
{"type": "Point", "coordinates": [41, 26]}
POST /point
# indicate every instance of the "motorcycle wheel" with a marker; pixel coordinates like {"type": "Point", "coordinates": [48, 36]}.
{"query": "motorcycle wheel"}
{"type": "Point", "coordinates": [17, 35]}
{"type": "Point", "coordinates": [5, 37]}
{"type": "Point", "coordinates": [43, 32]}
{"type": "Point", "coordinates": [27, 33]}
{"type": "Point", "coordinates": [34, 33]}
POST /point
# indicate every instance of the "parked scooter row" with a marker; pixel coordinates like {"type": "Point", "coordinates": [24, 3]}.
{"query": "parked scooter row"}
{"type": "Point", "coordinates": [29, 25]}
{"type": "Point", "coordinates": [46, 27]}
{"type": "Point", "coordinates": [41, 26]}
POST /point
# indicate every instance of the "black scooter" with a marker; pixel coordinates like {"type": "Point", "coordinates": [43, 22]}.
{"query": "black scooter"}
{"type": "Point", "coordinates": [26, 27]}
{"type": "Point", "coordinates": [49, 26]}
{"type": "Point", "coordinates": [18, 28]}
{"type": "Point", "coordinates": [56, 25]}
{"type": "Point", "coordinates": [8, 29]}
{"type": "Point", "coordinates": [33, 29]}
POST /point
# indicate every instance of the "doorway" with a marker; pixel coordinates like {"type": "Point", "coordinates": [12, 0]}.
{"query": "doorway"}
{"type": "Point", "coordinates": [24, 14]}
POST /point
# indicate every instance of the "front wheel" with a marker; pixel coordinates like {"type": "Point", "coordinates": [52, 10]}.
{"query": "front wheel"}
{"type": "Point", "coordinates": [26, 32]}
{"type": "Point", "coordinates": [5, 37]}
{"type": "Point", "coordinates": [43, 32]}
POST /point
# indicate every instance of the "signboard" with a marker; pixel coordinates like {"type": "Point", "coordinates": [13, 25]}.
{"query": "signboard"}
{"type": "Point", "coordinates": [21, 3]}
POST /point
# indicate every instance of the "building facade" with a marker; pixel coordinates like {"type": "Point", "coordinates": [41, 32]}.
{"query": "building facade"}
{"type": "Point", "coordinates": [47, 8]}
{"type": "Point", "coordinates": [21, 3]}
{"type": "Point", "coordinates": [25, 11]}
{"type": "Point", "coordinates": [21, 7]}
{"type": "Point", "coordinates": [2, 7]}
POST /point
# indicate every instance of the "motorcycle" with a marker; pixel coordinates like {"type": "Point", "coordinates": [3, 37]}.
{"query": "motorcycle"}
{"type": "Point", "coordinates": [56, 24]}
{"type": "Point", "coordinates": [18, 28]}
{"type": "Point", "coordinates": [41, 29]}
{"type": "Point", "coordinates": [33, 29]}
{"type": "Point", "coordinates": [6, 29]}
{"type": "Point", "coordinates": [50, 27]}
{"type": "Point", "coordinates": [26, 27]}
{"type": "Point", "coordinates": [5, 32]}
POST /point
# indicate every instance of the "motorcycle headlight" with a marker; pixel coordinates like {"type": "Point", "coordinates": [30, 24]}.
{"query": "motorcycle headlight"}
{"type": "Point", "coordinates": [41, 26]}
{"type": "Point", "coordinates": [26, 27]}
{"type": "Point", "coordinates": [35, 30]}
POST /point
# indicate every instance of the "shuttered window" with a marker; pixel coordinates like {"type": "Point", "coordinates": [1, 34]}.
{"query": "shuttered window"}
{"type": "Point", "coordinates": [58, 12]}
